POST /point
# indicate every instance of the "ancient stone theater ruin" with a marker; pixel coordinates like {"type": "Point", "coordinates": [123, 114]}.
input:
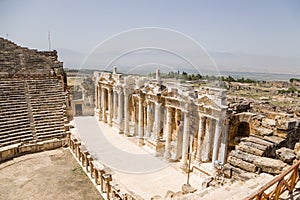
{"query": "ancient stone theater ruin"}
{"type": "Point", "coordinates": [34, 101]}
{"type": "Point", "coordinates": [169, 118]}
{"type": "Point", "coordinates": [200, 125]}
{"type": "Point", "coordinates": [233, 144]}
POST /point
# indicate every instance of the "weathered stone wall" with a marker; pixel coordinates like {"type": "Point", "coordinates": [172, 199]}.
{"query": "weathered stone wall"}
{"type": "Point", "coordinates": [18, 61]}
{"type": "Point", "coordinates": [15, 150]}
{"type": "Point", "coordinates": [84, 95]}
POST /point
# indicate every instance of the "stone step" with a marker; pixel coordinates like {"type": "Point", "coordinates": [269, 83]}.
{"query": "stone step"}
{"type": "Point", "coordinates": [258, 140]}
{"type": "Point", "coordinates": [243, 155]}
{"type": "Point", "coordinates": [237, 162]}
{"type": "Point", "coordinates": [249, 149]}
{"type": "Point", "coordinates": [274, 139]}
{"type": "Point", "coordinates": [236, 172]}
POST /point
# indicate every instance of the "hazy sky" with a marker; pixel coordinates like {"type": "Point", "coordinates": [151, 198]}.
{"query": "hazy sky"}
{"type": "Point", "coordinates": [250, 35]}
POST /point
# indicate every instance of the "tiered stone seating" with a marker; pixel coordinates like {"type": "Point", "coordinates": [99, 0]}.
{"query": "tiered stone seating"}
{"type": "Point", "coordinates": [32, 98]}
{"type": "Point", "coordinates": [47, 101]}
{"type": "Point", "coordinates": [14, 118]}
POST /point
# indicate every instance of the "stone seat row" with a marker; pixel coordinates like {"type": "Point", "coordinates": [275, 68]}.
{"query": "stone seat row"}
{"type": "Point", "coordinates": [8, 129]}
{"type": "Point", "coordinates": [53, 102]}
{"type": "Point", "coordinates": [16, 139]}
{"type": "Point", "coordinates": [49, 135]}
{"type": "Point", "coordinates": [13, 118]}
{"type": "Point", "coordinates": [55, 93]}
{"type": "Point", "coordinates": [13, 112]}
{"type": "Point", "coordinates": [48, 117]}
{"type": "Point", "coordinates": [42, 86]}
{"type": "Point", "coordinates": [13, 103]}
{"type": "Point", "coordinates": [46, 112]}
{"type": "Point", "coordinates": [12, 121]}
{"type": "Point", "coordinates": [40, 111]}
{"type": "Point", "coordinates": [19, 134]}
{"type": "Point", "coordinates": [49, 132]}
{"type": "Point", "coordinates": [57, 121]}
{"type": "Point", "coordinates": [47, 126]}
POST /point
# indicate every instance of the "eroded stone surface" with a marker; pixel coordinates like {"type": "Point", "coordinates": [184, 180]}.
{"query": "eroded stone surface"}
{"type": "Point", "coordinates": [270, 165]}
{"type": "Point", "coordinates": [285, 154]}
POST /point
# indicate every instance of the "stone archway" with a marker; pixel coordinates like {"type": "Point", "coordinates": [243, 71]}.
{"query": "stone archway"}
{"type": "Point", "coordinates": [243, 130]}
{"type": "Point", "coordinates": [239, 126]}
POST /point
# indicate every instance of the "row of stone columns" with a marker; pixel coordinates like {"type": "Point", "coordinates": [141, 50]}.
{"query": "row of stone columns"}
{"type": "Point", "coordinates": [212, 133]}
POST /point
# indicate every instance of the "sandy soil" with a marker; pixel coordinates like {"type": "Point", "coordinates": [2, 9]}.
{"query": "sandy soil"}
{"type": "Point", "coordinates": [49, 175]}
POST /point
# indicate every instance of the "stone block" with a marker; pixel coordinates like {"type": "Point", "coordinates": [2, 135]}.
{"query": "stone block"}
{"type": "Point", "coordinates": [285, 154]}
{"type": "Point", "coordinates": [249, 149]}
{"type": "Point", "coordinates": [241, 164]}
{"type": "Point", "coordinates": [270, 165]}
{"type": "Point", "coordinates": [264, 131]}
{"type": "Point", "coordinates": [266, 122]}
{"type": "Point", "coordinates": [297, 148]}
{"type": "Point", "coordinates": [186, 189]}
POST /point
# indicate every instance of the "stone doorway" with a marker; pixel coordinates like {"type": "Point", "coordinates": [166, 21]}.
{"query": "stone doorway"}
{"type": "Point", "coordinates": [78, 109]}
{"type": "Point", "coordinates": [243, 130]}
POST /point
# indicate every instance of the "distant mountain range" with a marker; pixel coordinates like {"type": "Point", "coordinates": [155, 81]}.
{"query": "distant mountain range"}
{"type": "Point", "coordinates": [259, 67]}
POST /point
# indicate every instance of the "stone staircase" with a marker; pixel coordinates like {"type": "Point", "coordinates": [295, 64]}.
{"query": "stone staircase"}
{"type": "Point", "coordinates": [14, 119]}
{"type": "Point", "coordinates": [254, 154]}
{"type": "Point", "coordinates": [31, 110]}
{"type": "Point", "coordinates": [48, 107]}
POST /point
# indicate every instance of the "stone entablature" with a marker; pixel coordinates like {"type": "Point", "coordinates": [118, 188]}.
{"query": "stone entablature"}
{"type": "Point", "coordinates": [172, 119]}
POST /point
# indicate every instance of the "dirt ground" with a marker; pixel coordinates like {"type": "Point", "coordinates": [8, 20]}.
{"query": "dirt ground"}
{"type": "Point", "coordinates": [46, 175]}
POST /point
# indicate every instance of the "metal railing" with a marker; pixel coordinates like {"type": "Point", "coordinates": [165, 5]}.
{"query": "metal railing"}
{"type": "Point", "coordinates": [285, 181]}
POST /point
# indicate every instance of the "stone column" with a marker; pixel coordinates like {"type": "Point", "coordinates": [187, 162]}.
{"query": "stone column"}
{"type": "Point", "coordinates": [185, 141]}
{"type": "Point", "coordinates": [110, 107]}
{"type": "Point", "coordinates": [148, 133]}
{"type": "Point", "coordinates": [126, 115]}
{"type": "Point", "coordinates": [216, 142]}
{"type": "Point", "coordinates": [157, 118]}
{"type": "Point", "coordinates": [207, 140]}
{"type": "Point", "coordinates": [141, 121]}
{"type": "Point", "coordinates": [168, 133]}
{"type": "Point", "coordinates": [96, 95]}
{"type": "Point", "coordinates": [115, 97]}
{"type": "Point", "coordinates": [103, 106]}
{"type": "Point", "coordinates": [120, 114]}
{"type": "Point", "coordinates": [136, 119]}
{"type": "Point", "coordinates": [99, 102]}
{"type": "Point", "coordinates": [201, 133]}
{"type": "Point", "coordinates": [224, 141]}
